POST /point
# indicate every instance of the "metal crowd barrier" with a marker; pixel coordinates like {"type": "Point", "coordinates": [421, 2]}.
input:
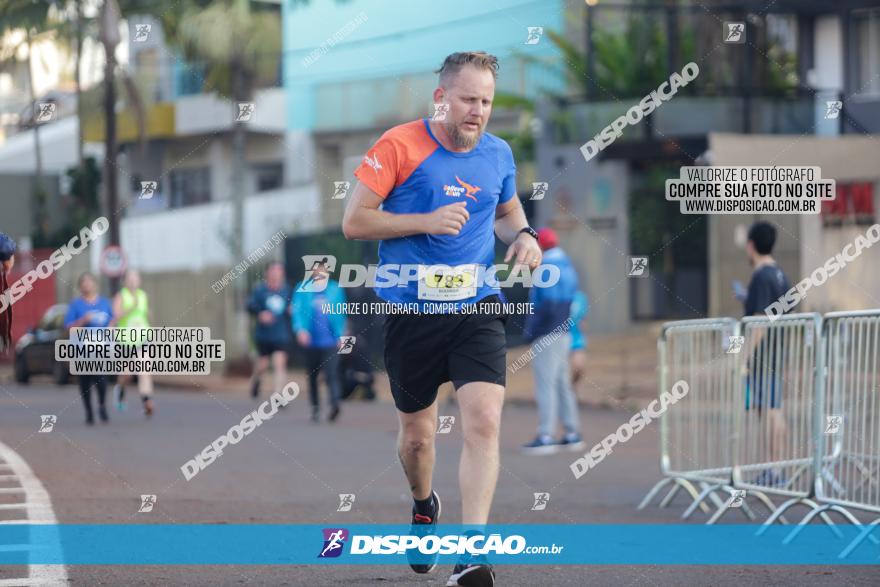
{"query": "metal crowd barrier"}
{"type": "Point", "coordinates": [849, 423]}
{"type": "Point", "coordinates": [778, 449]}
{"type": "Point", "coordinates": [696, 435]}
{"type": "Point", "coordinates": [793, 411]}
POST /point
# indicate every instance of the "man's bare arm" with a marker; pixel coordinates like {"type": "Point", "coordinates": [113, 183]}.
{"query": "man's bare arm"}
{"type": "Point", "coordinates": [510, 218]}
{"type": "Point", "coordinates": [364, 221]}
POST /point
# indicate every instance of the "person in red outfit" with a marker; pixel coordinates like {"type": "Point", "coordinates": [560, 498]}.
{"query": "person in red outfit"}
{"type": "Point", "coordinates": [7, 260]}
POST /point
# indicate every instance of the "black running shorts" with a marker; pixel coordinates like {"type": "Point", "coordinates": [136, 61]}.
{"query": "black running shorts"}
{"type": "Point", "coordinates": [267, 347]}
{"type": "Point", "coordinates": [426, 350]}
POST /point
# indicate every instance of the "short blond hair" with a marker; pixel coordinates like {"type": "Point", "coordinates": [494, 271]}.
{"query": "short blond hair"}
{"type": "Point", "coordinates": [479, 59]}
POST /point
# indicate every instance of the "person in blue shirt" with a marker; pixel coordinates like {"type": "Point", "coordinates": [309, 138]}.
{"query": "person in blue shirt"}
{"type": "Point", "coordinates": [319, 332]}
{"type": "Point", "coordinates": [270, 303]}
{"type": "Point", "coordinates": [90, 310]}
{"type": "Point", "coordinates": [447, 189]}
{"type": "Point", "coordinates": [549, 325]}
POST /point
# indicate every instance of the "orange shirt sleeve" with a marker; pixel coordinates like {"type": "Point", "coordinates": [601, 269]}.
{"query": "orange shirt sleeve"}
{"type": "Point", "coordinates": [380, 168]}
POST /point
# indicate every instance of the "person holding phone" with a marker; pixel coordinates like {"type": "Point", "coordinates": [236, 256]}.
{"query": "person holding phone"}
{"type": "Point", "coordinates": [764, 383]}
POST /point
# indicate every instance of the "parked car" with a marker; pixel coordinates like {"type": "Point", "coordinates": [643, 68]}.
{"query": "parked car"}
{"type": "Point", "coordinates": [35, 351]}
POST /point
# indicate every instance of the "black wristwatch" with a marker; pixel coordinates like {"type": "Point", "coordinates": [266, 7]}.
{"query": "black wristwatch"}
{"type": "Point", "coordinates": [530, 231]}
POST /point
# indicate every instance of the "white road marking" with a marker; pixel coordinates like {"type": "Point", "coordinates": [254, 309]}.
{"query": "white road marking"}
{"type": "Point", "coordinates": [27, 583]}
{"type": "Point", "coordinates": [39, 510]}
{"type": "Point", "coordinates": [13, 506]}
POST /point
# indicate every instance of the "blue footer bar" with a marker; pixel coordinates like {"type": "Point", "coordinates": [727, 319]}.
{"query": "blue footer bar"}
{"type": "Point", "coordinates": [529, 544]}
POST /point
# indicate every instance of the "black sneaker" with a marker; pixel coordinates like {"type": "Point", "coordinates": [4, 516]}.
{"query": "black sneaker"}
{"type": "Point", "coordinates": [334, 413]}
{"type": "Point", "coordinates": [424, 526]}
{"type": "Point", "coordinates": [771, 478]}
{"type": "Point", "coordinates": [571, 441]}
{"type": "Point", "coordinates": [255, 388]}
{"type": "Point", "coordinates": [102, 413]}
{"type": "Point", "coordinates": [476, 573]}
{"type": "Point", "coordinates": [541, 445]}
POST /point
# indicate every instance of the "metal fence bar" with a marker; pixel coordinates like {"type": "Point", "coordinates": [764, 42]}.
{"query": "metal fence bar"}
{"type": "Point", "coordinates": [796, 413]}
{"type": "Point", "coordinates": [776, 450]}
{"type": "Point", "coordinates": [849, 473]}
{"type": "Point", "coordinates": [696, 443]}
{"type": "Point", "coordinates": [852, 461]}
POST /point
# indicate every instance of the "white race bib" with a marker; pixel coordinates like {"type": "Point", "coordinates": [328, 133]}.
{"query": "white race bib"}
{"type": "Point", "coordinates": [444, 283]}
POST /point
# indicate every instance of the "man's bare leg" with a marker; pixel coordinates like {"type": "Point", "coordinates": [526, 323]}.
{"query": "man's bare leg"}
{"type": "Point", "coordinates": [777, 434]}
{"type": "Point", "coordinates": [480, 405]}
{"type": "Point", "coordinates": [262, 365]}
{"type": "Point", "coordinates": [415, 449]}
{"type": "Point", "coordinates": [279, 370]}
{"type": "Point", "coordinates": [145, 388]}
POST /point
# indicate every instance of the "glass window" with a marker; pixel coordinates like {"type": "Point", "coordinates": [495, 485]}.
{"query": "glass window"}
{"type": "Point", "coordinates": [867, 27]}
{"type": "Point", "coordinates": [270, 176]}
{"type": "Point", "coordinates": [190, 186]}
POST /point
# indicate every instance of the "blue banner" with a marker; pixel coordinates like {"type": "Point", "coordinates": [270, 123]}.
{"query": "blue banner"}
{"type": "Point", "coordinates": [529, 544]}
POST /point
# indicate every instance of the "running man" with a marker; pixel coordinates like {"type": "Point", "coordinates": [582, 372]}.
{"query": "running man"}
{"type": "Point", "coordinates": [270, 302]}
{"type": "Point", "coordinates": [334, 542]}
{"type": "Point", "coordinates": [131, 310]}
{"type": "Point", "coordinates": [446, 188]}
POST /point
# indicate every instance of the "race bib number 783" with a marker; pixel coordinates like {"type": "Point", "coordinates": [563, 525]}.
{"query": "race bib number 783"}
{"type": "Point", "coordinates": [445, 283]}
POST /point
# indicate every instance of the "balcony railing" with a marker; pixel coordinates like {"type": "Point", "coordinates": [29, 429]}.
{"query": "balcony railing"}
{"type": "Point", "coordinates": [687, 116]}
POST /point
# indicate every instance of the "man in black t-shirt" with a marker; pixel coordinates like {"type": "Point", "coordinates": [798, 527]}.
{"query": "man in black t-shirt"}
{"type": "Point", "coordinates": [763, 378]}
{"type": "Point", "coordinates": [767, 285]}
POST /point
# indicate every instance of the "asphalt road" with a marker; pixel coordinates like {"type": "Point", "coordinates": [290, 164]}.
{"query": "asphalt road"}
{"type": "Point", "coordinates": [291, 471]}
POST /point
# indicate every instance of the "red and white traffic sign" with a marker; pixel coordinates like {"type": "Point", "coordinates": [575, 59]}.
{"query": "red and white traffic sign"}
{"type": "Point", "coordinates": [113, 261]}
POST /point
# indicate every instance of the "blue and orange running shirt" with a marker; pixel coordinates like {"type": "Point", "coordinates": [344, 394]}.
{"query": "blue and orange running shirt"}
{"type": "Point", "coordinates": [415, 174]}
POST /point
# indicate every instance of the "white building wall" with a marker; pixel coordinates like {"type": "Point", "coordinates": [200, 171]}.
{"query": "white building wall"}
{"type": "Point", "coordinates": [828, 43]}
{"type": "Point", "coordinates": [192, 239]}
{"type": "Point", "coordinates": [208, 113]}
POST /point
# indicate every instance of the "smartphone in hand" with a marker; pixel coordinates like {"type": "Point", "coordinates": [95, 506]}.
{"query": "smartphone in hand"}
{"type": "Point", "coordinates": [739, 290]}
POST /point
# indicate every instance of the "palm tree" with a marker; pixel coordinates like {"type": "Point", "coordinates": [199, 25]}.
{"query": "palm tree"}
{"type": "Point", "coordinates": [238, 45]}
{"type": "Point", "coordinates": [32, 16]}
{"type": "Point", "coordinates": [628, 63]}
{"type": "Point", "coordinates": [71, 29]}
